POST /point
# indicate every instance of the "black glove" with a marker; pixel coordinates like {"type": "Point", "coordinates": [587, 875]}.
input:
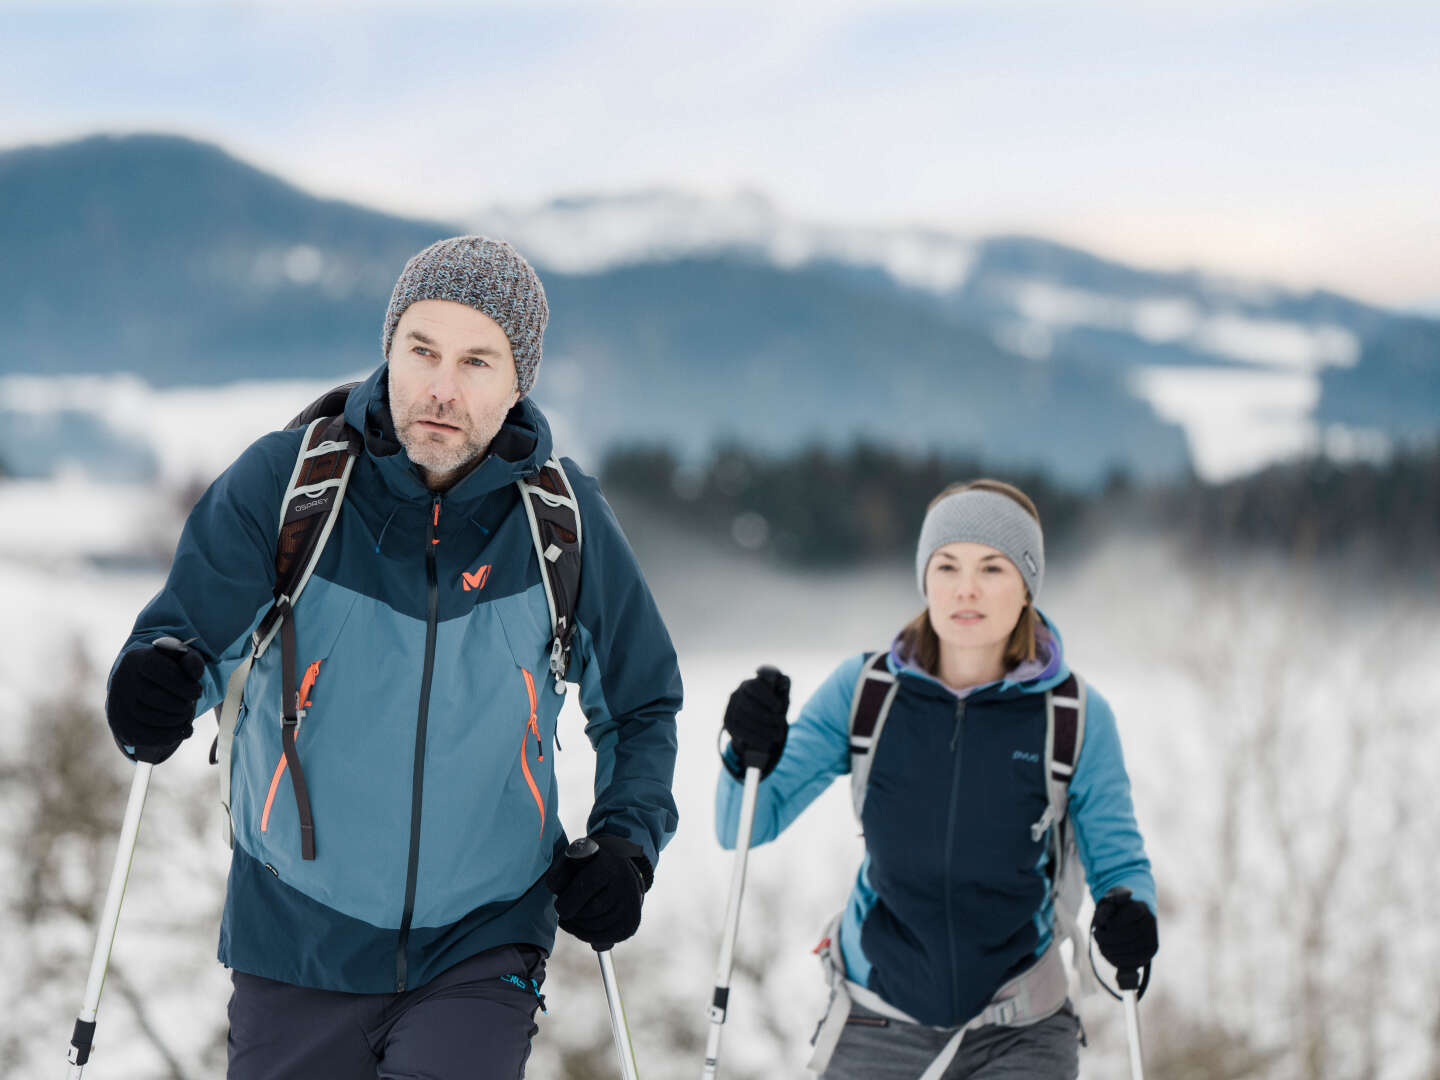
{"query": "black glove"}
{"type": "Point", "coordinates": [598, 895]}
{"type": "Point", "coordinates": [1124, 928]}
{"type": "Point", "coordinates": [755, 719]}
{"type": "Point", "coordinates": [151, 704]}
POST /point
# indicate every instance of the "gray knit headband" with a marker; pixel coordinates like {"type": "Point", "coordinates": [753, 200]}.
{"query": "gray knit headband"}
{"type": "Point", "coordinates": [487, 275]}
{"type": "Point", "coordinates": [984, 517]}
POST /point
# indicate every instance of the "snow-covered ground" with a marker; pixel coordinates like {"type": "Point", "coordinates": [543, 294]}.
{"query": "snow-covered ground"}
{"type": "Point", "coordinates": [1274, 723]}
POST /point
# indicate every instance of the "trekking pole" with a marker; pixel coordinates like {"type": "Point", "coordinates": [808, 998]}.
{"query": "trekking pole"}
{"type": "Point", "coordinates": [84, 1033]}
{"type": "Point", "coordinates": [1129, 983]}
{"type": "Point", "coordinates": [719, 1003]}
{"type": "Point", "coordinates": [1132, 983]}
{"type": "Point", "coordinates": [582, 849]}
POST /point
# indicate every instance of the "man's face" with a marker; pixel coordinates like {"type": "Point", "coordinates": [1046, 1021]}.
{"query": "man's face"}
{"type": "Point", "coordinates": [452, 380]}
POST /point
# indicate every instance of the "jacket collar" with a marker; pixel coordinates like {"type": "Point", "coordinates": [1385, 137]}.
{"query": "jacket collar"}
{"type": "Point", "coordinates": [1028, 677]}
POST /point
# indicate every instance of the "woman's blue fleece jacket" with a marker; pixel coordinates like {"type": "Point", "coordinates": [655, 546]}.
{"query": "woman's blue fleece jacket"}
{"type": "Point", "coordinates": [952, 898]}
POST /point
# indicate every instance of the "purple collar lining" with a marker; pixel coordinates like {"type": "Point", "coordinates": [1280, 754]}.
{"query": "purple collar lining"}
{"type": "Point", "coordinates": [1045, 665]}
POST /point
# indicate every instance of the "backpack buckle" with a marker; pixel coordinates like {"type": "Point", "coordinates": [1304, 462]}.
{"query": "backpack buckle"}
{"type": "Point", "coordinates": [1046, 820]}
{"type": "Point", "coordinates": [559, 663]}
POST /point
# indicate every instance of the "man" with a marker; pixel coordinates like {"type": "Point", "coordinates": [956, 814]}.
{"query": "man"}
{"type": "Point", "coordinates": [392, 901]}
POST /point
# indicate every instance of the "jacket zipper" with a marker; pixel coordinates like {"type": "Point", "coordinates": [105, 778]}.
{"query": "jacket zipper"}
{"type": "Point", "coordinates": [532, 726]}
{"type": "Point", "coordinates": [417, 786]}
{"type": "Point", "coordinates": [950, 849]}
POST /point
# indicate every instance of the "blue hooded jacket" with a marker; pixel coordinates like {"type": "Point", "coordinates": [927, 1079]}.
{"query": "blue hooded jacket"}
{"type": "Point", "coordinates": [952, 898]}
{"type": "Point", "coordinates": [428, 736]}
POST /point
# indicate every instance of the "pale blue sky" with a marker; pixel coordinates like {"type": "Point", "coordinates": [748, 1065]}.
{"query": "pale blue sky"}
{"type": "Point", "coordinates": [1298, 142]}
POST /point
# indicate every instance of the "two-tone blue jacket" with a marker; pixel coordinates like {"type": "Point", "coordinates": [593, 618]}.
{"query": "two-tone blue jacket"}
{"type": "Point", "coordinates": [952, 898]}
{"type": "Point", "coordinates": [428, 738]}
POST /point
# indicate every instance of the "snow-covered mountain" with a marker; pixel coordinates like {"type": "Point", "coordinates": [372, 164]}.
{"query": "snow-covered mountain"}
{"type": "Point", "coordinates": [686, 320]}
{"type": "Point", "coordinates": [586, 235]}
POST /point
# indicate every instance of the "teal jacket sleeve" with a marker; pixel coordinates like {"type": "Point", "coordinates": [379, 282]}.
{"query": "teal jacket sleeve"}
{"type": "Point", "coordinates": [629, 680]}
{"type": "Point", "coordinates": [221, 580]}
{"type": "Point", "coordinates": [817, 750]}
{"type": "Point", "coordinates": [1109, 841]}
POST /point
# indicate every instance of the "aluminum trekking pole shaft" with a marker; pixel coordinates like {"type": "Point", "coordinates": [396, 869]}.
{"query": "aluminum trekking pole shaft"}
{"type": "Point", "coordinates": [720, 1002]}
{"type": "Point", "coordinates": [1132, 1033]}
{"type": "Point", "coordinates": [84, 1032]}
{"type": "Point", "coordinates": [624, 1049]}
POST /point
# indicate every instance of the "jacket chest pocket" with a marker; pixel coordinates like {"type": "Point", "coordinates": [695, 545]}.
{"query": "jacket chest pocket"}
{"type": "Point", "coordinates": [526, 737]}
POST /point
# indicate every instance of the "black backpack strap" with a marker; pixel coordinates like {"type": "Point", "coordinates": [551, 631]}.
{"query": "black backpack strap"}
{"type": "Point", "coordinates": [308, 514]}
{"type": "Point", "coordinates": [1068, 729]}
{"type": "Point", "coordinates": [874, 693]}
{"type": "Point", "coordinates": [554, 515]}
{"type": "Point", "coordinates": [1064, 735]}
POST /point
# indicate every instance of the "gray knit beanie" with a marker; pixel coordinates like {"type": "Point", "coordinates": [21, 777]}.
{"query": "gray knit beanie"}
{"type": "Point", "coordinates": [984, 517]}
{"type": "Point", "coordinates": [487, 275]}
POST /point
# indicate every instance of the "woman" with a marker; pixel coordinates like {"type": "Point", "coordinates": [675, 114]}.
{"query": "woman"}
{"type": "Point", "coordinates": [944, 961]}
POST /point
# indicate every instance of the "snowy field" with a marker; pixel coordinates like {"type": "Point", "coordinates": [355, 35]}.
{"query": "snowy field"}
{"type": "Point", "coordinates": [1276, 724]}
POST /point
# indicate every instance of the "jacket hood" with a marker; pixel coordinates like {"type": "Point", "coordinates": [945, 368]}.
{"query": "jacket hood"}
{"type": "Point", "coordinates": [519, 449]}
{"type": "Point", "coordinates": [1036, 676]}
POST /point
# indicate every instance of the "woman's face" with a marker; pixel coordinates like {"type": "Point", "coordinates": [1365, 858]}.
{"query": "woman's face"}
{"type": "Point", "coordinates": [975, 595]}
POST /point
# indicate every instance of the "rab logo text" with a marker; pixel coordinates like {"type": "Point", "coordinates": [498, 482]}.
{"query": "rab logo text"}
{"type": "Point", "coordinates": [477, 579]}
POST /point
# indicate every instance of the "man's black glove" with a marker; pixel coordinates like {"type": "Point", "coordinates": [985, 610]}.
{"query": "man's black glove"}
{"type": "Point", "coordinates": [151, 704]}
{"type": "Point", "coordinates": [755, 720]}
{"type": "Point", "coordinates": [598, 894]}
{"type": "Point", "coordinates": [1125, 930]}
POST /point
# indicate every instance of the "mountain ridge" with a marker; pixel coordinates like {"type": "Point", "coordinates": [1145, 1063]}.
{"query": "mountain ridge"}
{"type": "Point", "coordinates": [173, 259]}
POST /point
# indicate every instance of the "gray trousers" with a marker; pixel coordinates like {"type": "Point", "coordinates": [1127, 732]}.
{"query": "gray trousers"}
{"type": "Point", "coordinates": [474, 1021]}
{"type": "Point", "coordinates": [875, 1048]}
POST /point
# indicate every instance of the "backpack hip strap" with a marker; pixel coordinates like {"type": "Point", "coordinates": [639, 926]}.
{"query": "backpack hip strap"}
{"type": "Point", "coordinates": [1033, 995]}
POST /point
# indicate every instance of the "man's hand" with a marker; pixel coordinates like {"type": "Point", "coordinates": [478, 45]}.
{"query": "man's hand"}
{"type": "Point", "coordinates": [151, 704]}
{"type": "Point", "coordinates": [598, 894]}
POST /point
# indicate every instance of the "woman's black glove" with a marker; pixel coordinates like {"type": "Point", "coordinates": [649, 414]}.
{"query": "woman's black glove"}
{"type": "Point", "coordinates": [1125, 930]}
{"type": "Point", "coordinates": [151, 704]}
{"type": "Point", "coordinates": [599, 883]}
{"type": "Point", "coordinates": [755, 720]}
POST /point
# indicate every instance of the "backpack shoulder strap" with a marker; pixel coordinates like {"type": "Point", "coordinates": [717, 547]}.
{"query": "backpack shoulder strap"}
{"type": "Point", "coordinates": [1064, 735]}
{"type": "Point", "coordinates": [554, 515]}
{"type": "Point", "coordinates": [874, 693]}
{"type": "Point", "coordinates": [307, 517]}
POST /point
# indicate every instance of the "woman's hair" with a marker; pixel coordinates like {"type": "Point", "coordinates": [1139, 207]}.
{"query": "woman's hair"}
{"type": "Point", "coordinates": [918, 638]}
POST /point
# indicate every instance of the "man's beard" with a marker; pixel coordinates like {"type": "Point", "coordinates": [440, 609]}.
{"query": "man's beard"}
{"type": "Point", "coordinates": [442, 461]}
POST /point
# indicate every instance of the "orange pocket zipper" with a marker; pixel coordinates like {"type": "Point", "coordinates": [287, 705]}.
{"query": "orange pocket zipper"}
{"type": "Point", "coordinates": [531, 726]}
{"type": "Point", "coordinates": [303, 698]}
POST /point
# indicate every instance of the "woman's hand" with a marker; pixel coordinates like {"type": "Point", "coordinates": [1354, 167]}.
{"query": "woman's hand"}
{"type": "Point", "coordinates": [755, 719]}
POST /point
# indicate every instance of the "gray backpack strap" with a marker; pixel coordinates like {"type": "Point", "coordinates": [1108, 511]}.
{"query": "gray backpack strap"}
{"type": "Point", "coordinates": [1064, 733]}
{"type": "Point", "coordinates": [311, 506]}
{"type": "Point", "coordinates": [874, 693]}
{"type": "Point", "coordinates": [554, 515]}
{"type": "Point", "coordinates": [1064, 738]}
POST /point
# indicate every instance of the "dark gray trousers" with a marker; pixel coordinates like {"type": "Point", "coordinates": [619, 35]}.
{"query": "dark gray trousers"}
{"type": "Point", "coordinates": [474, 1021]}
{"type": "Point", "coordinates": [873, 1048]}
